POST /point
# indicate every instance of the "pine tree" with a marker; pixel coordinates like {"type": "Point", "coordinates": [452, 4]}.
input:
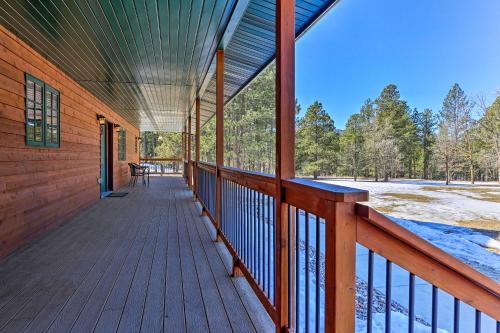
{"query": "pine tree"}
{"type": "Point", "coordinates": [168, 145]}
{"type": "Point", "coordinates": [453, 121]}
{"type": "Point", "coordinates": [391, 110]}
{"type": "Point", "coordinates": [426, 126]}
{"type": "Point", "coordinates": [317, 142]}
{"type": "Point", "coordinates": [489, 127]}
{"type": "Point", "coordinates": [352, 143]}
{"type": "Point", "coordinates": [367, 114]}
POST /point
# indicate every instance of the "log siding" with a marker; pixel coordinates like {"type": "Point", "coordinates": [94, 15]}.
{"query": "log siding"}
{"type": "Point", "coordinates": [41, 187]}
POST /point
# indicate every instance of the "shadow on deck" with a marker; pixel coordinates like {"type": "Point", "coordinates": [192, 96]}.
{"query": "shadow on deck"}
{"type": "Point", "coordinates": [144, 262]}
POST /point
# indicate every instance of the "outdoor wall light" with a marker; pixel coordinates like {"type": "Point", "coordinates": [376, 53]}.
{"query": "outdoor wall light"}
{"type": "Point", "coordinates": [118, 128]}
{"type": "Point", "coordinates": [101, 119]}
{"type": "Point", "coordinates": [139, 139]}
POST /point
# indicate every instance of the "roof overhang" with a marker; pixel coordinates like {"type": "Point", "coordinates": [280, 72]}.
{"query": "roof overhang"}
{"type": "Point", "coordinates": [149, 60]}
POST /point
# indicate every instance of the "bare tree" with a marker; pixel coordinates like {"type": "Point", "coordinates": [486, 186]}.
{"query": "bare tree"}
{"type": "Point", "coordinates": [489, 127]}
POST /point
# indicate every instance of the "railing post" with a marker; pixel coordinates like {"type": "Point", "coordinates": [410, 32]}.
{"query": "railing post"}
{"type": "Point", "coordinates": [219, 135]}
{"type": "Point", "coordinates": [183, 145]}
{"type": "Point", "coordinates": [197, 143]}
{"type": "Point", "coordinates": [340, 267]}
{"type": "Point", "coordinates": [285, 147]}
{"type": "Point", "coordinates": [189, 151]}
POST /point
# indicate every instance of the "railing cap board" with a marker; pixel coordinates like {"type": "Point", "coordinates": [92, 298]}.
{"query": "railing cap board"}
{"type": "Point", "coordinates": [261, 182]}
{"type": "Point", "coordinates": [250, 174]}
{"type": "Point", "coordinates": [158, 159]}
{"type": "Point", "coordinates": [330, 192]}
{"type": "Point", "coordinates": [207, 166]}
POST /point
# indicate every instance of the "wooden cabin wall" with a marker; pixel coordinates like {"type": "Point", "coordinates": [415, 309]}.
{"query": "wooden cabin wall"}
{"type": "Point", "coordinates": [42, 187]}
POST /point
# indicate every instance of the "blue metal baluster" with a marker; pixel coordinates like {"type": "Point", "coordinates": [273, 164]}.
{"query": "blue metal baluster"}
{"type": "Point", "coordinates": [268, 219]}
{"type": "Point", "coordinates": [478, 321]}
{"type": "Point", "coordinates": [411, 306]}
{"type": "Point", "coordinates": [290, 267]}
{"type": "Point", "coordinates": [369, 307]}
{"type": "Point", "coordinates": [434, 308]}
{"type": "Point", "coordinates": [307, 271]}
{"type": "Point", "coordinates": [388, 295]}
{"type": "Point", "coordinates": [297, 269]}
{"type": "Point", "coordinates": [318, 276]}
{"type": "Point", "coordinates": [456, 315]}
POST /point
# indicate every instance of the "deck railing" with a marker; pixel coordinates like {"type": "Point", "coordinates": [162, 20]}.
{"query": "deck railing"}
{"type": "Point", "coordinates": [162, 165]}
{"type": "Point", "coordinates": [345, 262]}
{"type": "Point", "coordinates": [205, 188]}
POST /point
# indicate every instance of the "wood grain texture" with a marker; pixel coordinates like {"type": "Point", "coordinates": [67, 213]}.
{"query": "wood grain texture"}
{"type": "Point", "coordinates": [340, 267]}
{"type": "Point", "coordinates": [41, 187]}
{"type": "Point", "coordinates": [285, 146]}
{"type": "Point", "coordinates": [150, 267]}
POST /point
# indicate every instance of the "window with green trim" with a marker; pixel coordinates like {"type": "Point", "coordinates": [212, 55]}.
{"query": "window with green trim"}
{"type": "Point", "coordinates": [42, 114]}
{"type": "Point", "coordinates": [122, 145]}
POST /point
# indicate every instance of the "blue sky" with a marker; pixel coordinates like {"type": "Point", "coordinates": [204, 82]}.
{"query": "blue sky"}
{"type": "Point", "coordinates": [421, 46]}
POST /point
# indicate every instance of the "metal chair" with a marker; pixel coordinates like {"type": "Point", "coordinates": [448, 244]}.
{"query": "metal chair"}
{"type": "Point", "coordinates": [137, 170]}
{"type": "Point", "coordinates": [133, 174]}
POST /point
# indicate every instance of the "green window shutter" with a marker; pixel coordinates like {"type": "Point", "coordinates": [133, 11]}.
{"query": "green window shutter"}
{"type": "Point", "coordinates": [52, 117]}
{"type": "Point", "coordinates": [122, 145]}
{"type": "Point", "coordinates": [34, 111]}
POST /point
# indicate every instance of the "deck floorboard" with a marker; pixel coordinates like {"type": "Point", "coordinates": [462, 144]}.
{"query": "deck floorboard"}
{"type": "Point", "coordinates": [142, 263]}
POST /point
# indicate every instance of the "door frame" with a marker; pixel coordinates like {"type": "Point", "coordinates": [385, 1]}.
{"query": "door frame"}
{"type": "Point", "coordinates": [103, 158]}
{"type": "Point", "coordinates": [109, 156]}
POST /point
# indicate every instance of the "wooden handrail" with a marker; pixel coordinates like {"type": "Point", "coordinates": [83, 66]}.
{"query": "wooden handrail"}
{"type": "Point", "coordinates": [156, 159]}
{"type": "Point", "coordinates": [314, 196]}
{"type": "Point", "coordinates": [335, 193]}
{"type": "Point", "coordinates": [348, 222]}
{"type": "Point", "coordinates": [261, 182]}
{"type": "Point", "coordinates": [383, 236]}
{"type": "Point", "coordinates": [207, 166]}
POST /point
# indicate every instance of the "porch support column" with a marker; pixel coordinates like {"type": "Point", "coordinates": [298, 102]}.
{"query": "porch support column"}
{"type": "Point", "coordinates": [189, 152]}
{"type": "Point", "coordinates": [219, 134]}
{"type": "Point", "coordinates": [285, 146]}
{"type": "Point", "coordinates": [183, 143]}
{"type": "Point", "coordinates": [197, 143]}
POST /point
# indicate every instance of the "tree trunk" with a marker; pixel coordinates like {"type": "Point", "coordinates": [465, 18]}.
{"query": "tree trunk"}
{"type": "Point", "coordinates": [471, 172]}
{"type": "Point", "coordinates": [447, 170]}
{"type": "Point", "coordinates": [376, 173]}
{"type": "Point", "coordinates": [426, 166]}
{"type": "Point", "coordinates": [315, 174]}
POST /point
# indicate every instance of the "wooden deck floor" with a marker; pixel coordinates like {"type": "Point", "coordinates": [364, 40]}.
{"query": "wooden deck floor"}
{"type": "Point", "coordinates": [144, 262]}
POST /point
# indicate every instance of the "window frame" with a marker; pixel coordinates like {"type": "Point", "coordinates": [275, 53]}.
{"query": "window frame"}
{"type": "Point", "coordinates": [45, 88]}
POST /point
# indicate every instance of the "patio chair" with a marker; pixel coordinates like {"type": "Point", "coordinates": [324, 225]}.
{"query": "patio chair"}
{"type": "Point", "coordinates": [137, 171]}
{"type": "Point", "coordinates": [133, 174]}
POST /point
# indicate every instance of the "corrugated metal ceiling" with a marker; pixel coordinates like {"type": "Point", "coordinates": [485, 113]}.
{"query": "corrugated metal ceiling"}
{"type": "Point", "coordinates": [147, 59]}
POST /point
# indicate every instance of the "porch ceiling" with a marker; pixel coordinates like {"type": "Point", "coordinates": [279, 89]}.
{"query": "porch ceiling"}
{"type": "Point", "coordinates": [148, 60]}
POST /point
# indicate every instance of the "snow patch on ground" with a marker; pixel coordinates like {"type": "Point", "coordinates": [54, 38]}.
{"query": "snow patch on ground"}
{"type": "Point", "coordinates": [399, 324]}
{"type": "Point", "coordinates": [438, 220]}
{"type": "Point", "coordinates": [446, 207]}
{"type": "Point", "coordinates": [463, 246]}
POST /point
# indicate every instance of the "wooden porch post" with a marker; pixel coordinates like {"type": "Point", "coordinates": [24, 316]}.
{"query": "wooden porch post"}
{"type": "Point", "coordinates": [183, 144]}
{"type": "Point", "coordinates": [285, 145]}
{"type": "Point", "coordinates": [189, 151]}
{"type": "Point", "coordinates": [197, 143]}
{"type": "Point", "coordinates": [219, 134]}
{"type": "Point", "coordinates": [340, 267]}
